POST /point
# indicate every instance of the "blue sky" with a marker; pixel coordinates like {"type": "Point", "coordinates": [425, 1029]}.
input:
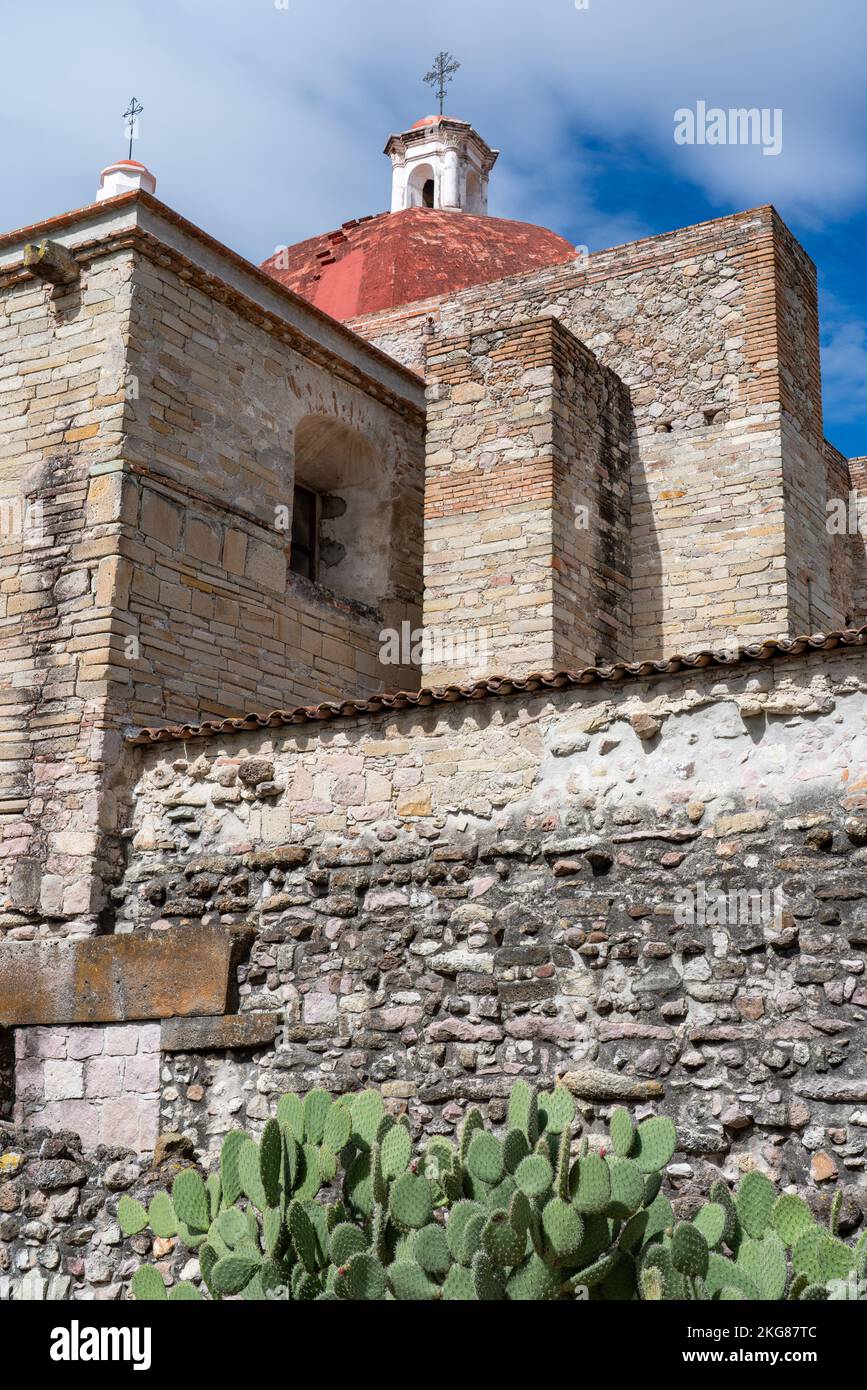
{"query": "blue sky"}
{"type": "Point", "coordinates": [265, 120]}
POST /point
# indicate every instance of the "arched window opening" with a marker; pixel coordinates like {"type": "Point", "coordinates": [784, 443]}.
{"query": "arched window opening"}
{"type": "Point", "coordinates": [474, 193]}
{"type": "Point", "coordinates": [421, 187]}
{"type": "Point", "coordinates": [341, 511]}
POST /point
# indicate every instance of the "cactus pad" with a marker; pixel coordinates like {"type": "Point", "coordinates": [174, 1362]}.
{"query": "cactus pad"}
{"type": "Point", "coordinates": [190, 1200]}
{"type": "Point", "coordinates": [485, 1158]}
{"type": "Point", "coordinates": [131, 1216]}
{"type": "Point", "coordinates": [534, 1175]}
{"type": "Point", "coordinates": [689, 1252]}
{"type": "Point", "coordinates": [411, 1202]}
{"type": "Point", "coordinates": [622, 1131]}
{"type": "Point", "coordinates": [754, 1201]}
{"type": "Point", "coordinates": [654, 1143]}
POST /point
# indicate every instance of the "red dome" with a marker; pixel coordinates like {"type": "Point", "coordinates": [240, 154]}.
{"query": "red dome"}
{"type": "Point", "coordinates": [426, 120]}
{"type": "Point", "coordinates": [379, 262]}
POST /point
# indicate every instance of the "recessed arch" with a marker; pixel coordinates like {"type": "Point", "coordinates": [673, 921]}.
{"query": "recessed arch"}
{"type": "Point", "coordinates": [351, 518]}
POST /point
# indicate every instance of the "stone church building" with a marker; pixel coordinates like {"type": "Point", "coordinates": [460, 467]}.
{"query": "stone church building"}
{"type": "Point", "coordinates": [430, 657]}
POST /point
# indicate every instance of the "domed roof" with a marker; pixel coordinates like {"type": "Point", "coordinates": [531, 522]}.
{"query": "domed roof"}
{"type": "Point", "coordinates": [379, 262]}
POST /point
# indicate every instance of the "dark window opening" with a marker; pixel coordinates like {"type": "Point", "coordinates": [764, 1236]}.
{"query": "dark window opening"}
{"type": "Point", "coordinates": [427, 194]}
{"type": "Point", "coordinates": [305, 528]}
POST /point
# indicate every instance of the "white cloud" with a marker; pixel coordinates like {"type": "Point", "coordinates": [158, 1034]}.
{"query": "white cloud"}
{"type": "Point", "coordinates": [265, 125]}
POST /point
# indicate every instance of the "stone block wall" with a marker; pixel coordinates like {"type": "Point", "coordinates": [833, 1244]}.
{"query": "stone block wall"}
{"type": "Point", "coordinates": [149, 414]}
{"type": "Point", "coordinates": [713, 330]}
{"type": "Point", "coordinates": [101, 1082]}
{"type": "Point", "coordinates": [526, 501]}
{"type": "Point", "coordinates": [62, 408]}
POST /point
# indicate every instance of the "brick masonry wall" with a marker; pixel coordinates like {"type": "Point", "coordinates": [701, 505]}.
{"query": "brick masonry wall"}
{"type": "Point", "coordinates": [713, 329]}
{"type": "Point", "coordinates": [525, 427]}
{"type": "Point", "coordinates": [444, 900]}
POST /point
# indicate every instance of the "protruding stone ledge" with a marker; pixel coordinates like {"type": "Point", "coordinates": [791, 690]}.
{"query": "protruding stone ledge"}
{"type": "Point", "coordinates": [116, 979]}
{"type": "Point", "coordinates": [219, 1033]}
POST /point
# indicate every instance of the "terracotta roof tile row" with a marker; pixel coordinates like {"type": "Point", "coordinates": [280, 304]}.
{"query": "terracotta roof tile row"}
{"type": "Point", "coordinates": [771, 649]}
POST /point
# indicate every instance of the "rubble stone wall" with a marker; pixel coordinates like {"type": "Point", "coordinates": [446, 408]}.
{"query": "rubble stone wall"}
{"type": "Point", "coordinates": [443, 900]}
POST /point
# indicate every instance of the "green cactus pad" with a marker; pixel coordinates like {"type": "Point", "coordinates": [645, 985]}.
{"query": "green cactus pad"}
{"type": "Point", "coordinates": [270, 1161]}
{"type": "Point", "coordinates": [430, 1249]}
{"type": "Point", "coordinates": [711, 1221]}
{"type": "Point", "coordinates": [720, 1194]}
{"type": "Point", "coordinates": [654, 1144]}
{"type": "Point", "coordinates": [361, 1279]}
{"type": "Point", "coordinates": [459, 1215]}
{"type": "Point", "coordinates": [358, 1184]}
{"type": "Point", "coordinates": [515, 1148]}
{"type": "Point", "coordinates": [408, 1282]}
{"type": "Point", "coordinates": [274, 1231]}
{"type": "Point", "coordinates": [764, 1262]}
{"type": "Point", "coordinates": [366, 1109]}
{"type": "Point", "coordinates": [249, 1171]}
{"type": "Point", "coordinates": [622, 1131]}
{"type": "Point", "coordinates": [317, 1104]}
{"type": "Point", "coordinates": [754, 1201]}
{"type": "Point", "coordinates": [563, 1227]}
{"type": "Point", "coordinates": [232, 1145]}
{"type": "Point", "coordinates": [290, 1114]}
{"type": "Point", "coordinates": [232, 1274]}
{"type": "Point", "coordinates": [814, 1293]}
{"type": "Point", "coordinates": [395, 1152]}
{"type": "Point", "coordinates": [627, 1187]}
{"type": "Point", "coordinates": [214, 1189]}
{"type": "Point", "coordinates": [345, 1241]}
{"type": "Point", "coordinates": [410, 1202]}
{"type": "Point", "coordinates": [148, 1285]}
{"type": "Point", "coordinates": [689, 1252]}
{"type": "Point", "coordinates": [534, 1280]}
{"type": "Point", "coordinates": [591, 1183]}
{"type": "Point", "coordinates": [790, 1218]}
{"type": "Point", "coordinates": [309, 1176]}
{"type": "Point", "coordinates": [556, 1110]}
{"type": "Point", "coordinates": [724, 1273]}
{"type": "Point", "coordinates": [190, 1200]}
{"type": "Point", "coordinates": [485, 1159]}
{"type": "Point", "coordinates": [303, 1234]}
{"type": "Point", "coordinates": [232, 1226]}
{"type": "Point", "coordinates": [651, 1285]}
{"type": "Point", "coordinates": [472, 1238]}
{"type": "Point", "coordinates": [501, 1242]}
{"type": "Point", "coordinates": [184, 1293]}
{"type": "Point", "coordinates": [458, 1286]}
{"type": "Point", "coordinates": [337, 1131]}
{"type": "Point", "coordinates": [131, 1216]}
{"type": "Point", "coordinates": [487, 1280]}
{"type": "Point", "coordinates": [595, 1273]}
{"type": "Point", "coordinates": [523, 1111]}
{"type": "Point", "coordinates": [534, 1175]}
{"type": "Point", "coordinates": [822, 1257]}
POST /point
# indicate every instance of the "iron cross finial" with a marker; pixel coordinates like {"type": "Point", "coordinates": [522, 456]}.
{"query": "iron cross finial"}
{"type": "Point", "coordinates": [440, 75]}
{"type": "Point", "coordinates": [131, 115]}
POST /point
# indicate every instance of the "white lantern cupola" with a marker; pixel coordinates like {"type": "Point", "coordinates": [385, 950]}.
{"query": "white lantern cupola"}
{"type": "Point", "coordinates": [440, 163]}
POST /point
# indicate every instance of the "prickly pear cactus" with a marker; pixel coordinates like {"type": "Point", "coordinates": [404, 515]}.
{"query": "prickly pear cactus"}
{"type": "Point", "coordinates": [335, 1202]}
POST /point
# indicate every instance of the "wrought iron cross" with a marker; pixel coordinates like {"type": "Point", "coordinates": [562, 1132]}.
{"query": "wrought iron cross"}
{"type": "Point", "coordinates": [131, 115]}
{"type": "Point", "coordinates": [440, 75]}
